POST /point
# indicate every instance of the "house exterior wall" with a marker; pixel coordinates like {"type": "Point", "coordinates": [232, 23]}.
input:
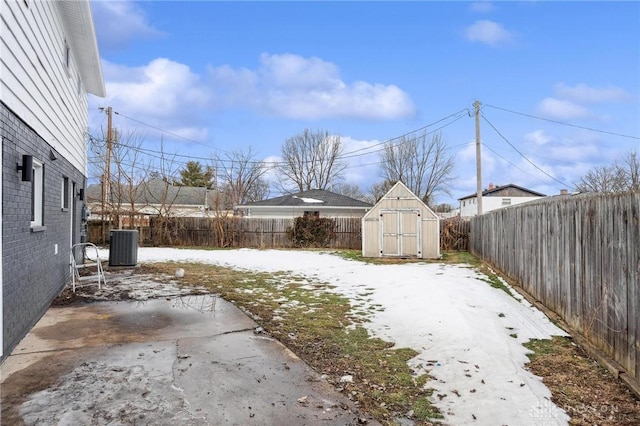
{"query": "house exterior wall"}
{"type": "Point", "coordinates": [288, 212]}
{"type": "Point", "coordinates": [401, 199]}
{"type": "Point", "coordinates": [35, 81]}
{"type": "Point", "coordinates": [469, 206]}
{"type": "Point", "coordinates": [49, 62]}
{"type": "Point", "coordinates": [33, 272]}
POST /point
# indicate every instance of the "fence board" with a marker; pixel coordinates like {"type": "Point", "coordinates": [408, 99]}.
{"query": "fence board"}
{"type": "Point", "coordinates": [580, 256]}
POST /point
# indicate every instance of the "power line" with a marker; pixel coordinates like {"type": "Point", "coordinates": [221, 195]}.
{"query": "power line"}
{"type": "Point", "coordinates": [521, 154]}
{"type": "Point", "coordinates": [168, 132]}
{"type": "Point", "coordinates": [565, 124]}
{"type": "Point", "coordinates": [505, 159]}
{"type": "Point", "coordinates": [349, 154]}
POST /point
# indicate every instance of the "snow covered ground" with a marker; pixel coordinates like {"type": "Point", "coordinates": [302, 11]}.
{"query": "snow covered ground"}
{"type": "Point", "coordinates": [469, 335]}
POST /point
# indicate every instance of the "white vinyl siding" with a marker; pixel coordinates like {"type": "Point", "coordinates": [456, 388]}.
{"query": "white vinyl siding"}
{"type": "Point", "coordinates": [34, 81]}
{"type": "Point", "coordinates": [490, 203]}
{"type": "Point", "coordinates": [288, 212]}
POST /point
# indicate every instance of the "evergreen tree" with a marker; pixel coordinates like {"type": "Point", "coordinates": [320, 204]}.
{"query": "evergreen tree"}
{"type": "Point", "coordinates": [194, 175]}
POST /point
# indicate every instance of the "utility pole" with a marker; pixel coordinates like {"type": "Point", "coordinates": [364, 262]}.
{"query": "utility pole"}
{"type": "Point", "coordinates": [106, 176]}
{"type": "Point", "coordinates": [476, 104]}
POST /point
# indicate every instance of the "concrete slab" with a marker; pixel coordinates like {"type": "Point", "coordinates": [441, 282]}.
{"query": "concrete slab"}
{"type": "Point", "coordinates": [190, 360]}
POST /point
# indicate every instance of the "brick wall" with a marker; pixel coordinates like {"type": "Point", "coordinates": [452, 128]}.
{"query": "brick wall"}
{"type": "Point", "coordinates": [33, 274]}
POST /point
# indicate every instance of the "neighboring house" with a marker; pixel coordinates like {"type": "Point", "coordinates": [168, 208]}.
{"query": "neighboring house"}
{"type": "Point", "coordinates": [50, 62]}
{"type": "Point", "coordinates": [315, 202]}
{"type": "Point", "coordinates": [497, 197]}
{"type": "Point", "coordinates": [152, 198]}
{"type": "Point", "coordinates": [401, 225]}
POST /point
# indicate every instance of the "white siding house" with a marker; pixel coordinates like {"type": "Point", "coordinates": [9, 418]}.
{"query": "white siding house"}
{"type": "Point", "coordinates": [315, 202]}
{"type": "Point", "coordinates": [497, 197]}
{"type": "Point", "coordinates": [49, 62]}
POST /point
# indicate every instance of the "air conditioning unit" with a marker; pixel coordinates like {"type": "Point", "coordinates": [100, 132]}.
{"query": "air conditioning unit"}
{"type": "Point", "coordinates": [123, 247]}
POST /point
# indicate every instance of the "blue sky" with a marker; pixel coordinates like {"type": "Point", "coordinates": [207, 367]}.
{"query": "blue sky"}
{"type": "Point", "coordinates": [232, 75]}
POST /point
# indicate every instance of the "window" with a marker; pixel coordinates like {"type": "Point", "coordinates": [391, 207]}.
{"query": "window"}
{"type": "Point", "coordinates": [37, 194]}
{"type": "Point", "coordinates": [65, 193]}
{"type": "Point", "coordinates": [311, 214]}
{"type": "Point", "coordinates": [506, 201]}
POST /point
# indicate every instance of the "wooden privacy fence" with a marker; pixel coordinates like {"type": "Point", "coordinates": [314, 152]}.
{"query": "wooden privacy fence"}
{"type": "Point", "coordinates": [263, 233]}
{"type": "Point", "coordinates": [580, 257]}
{"type": "Point", "coordinates": [244, 232]}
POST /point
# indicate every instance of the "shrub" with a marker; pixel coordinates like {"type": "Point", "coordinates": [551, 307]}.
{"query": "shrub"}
{"type": "Point", "coordinates": [312, 231]}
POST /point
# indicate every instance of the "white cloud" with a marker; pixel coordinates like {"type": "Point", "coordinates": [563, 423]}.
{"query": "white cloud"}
{"type": "Point", "coordinates": [481, 7]}
{"type": "Point", "coordinates": [162, 93]}
{"type": "Point", "coordinates": [292, 71]}
{"type": "Point", "coordinates": [489, 32]}
{"type": "Point", "coordinates": [538, 137]}
{"type": "Point", "coordinates": [562, 109]}
{"type": "Point", "coordinates": [585, 94]}
{"type": "Point", "coordinates": [292, 86]}
{"type": "Point", "coordinates": [364, 164]}
{"type": "Point", "coordinates": [118, 23]}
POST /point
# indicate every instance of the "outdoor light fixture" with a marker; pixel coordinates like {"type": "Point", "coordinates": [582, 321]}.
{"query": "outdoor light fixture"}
{"type": "Point", "coordinates": [27, 167]}
{"type": "Point", "coordinates": [52, 155]}
{"type": "Point", "coordinates": [81, 194]}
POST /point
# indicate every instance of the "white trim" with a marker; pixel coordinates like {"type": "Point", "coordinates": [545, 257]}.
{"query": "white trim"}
{"type": "Point", "coordinates": [65, 195]}
{"type": "Point", "coordinates": [37, 194]}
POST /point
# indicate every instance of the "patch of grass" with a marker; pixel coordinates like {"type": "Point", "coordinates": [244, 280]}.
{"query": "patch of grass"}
{"type": "Point", "coordinates": [318, 325]}
{"type": "Point", "coordinates": [456, 257]}
{"type": "Point", "coordinates": [587, 392]}
{"type": "Point", "coordinates": [540, 348]}
{"type": "Point", "coordinates": [493, 280]}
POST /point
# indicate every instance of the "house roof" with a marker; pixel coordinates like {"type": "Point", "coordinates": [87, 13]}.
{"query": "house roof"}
{"type": "Point", "coordinates": [316, 198]}
{"type": "Point", "coordinates": [501, 188]}
{"type": "Point", "coordinates": [155, 191]}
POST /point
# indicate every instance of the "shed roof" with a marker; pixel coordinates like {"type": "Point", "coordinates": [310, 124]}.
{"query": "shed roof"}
{"type": "Point", "coordinates": [400, 190]}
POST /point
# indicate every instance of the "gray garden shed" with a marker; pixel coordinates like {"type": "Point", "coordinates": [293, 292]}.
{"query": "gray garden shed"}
{"type": "Point", "coordinates": [401, 225]}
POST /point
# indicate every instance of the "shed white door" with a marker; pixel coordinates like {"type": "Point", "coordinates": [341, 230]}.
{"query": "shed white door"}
{"type": "Point", "coordinates": [400, 233]}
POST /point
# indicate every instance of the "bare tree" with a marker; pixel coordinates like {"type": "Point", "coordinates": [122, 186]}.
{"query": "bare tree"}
{"type": "Point", "coordinates": [126, 172]}
{"type": "Point", "coordinates": [129, 173]}
{"type": "Point", "coordinates": [618, 177]}
{"type": "Point", "coordinates": [420, 163]}
{"type": "Point", "coordinates": [377, 191]}
{"type": "Point", "coordinates": [241, 177]}
{"type": "Point", "coordinates": [349, 190]}
{"type": "Point", "coordinates": [311, 160]}
{"type": "Point", "coordinates": [631, 166]}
